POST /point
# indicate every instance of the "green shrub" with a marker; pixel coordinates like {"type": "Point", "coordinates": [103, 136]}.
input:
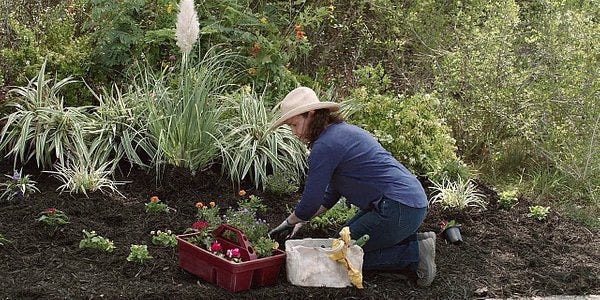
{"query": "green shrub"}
{"type": "Point", "coordinates": [408, 127]}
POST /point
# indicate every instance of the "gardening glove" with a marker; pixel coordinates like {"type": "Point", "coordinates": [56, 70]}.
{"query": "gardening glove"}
{"type": "Point", "coordinates": [296, 228]}
{"type": "Point", "coordinates": [281, 232]}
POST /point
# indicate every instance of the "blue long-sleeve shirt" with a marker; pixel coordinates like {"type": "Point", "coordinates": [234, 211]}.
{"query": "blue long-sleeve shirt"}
{"type": "Point", "coordinates": [346, 160]}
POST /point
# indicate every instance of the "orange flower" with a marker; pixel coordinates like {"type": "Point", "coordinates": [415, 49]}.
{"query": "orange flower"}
{"type": "Point", "coordinates": [242, 193]}
{"type": "Point", "coordinates": [154, 199]}
{"type": "Point", "coordinates": [255, 49]}
{"type": "Point", "coordinates": [212, 204]}
{"type": "Point", "coordinates": [199, 204]}
{"type": "Point", "coordinates": [298, 27]}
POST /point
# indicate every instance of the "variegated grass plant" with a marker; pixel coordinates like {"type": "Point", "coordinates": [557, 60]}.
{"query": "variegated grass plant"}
{"type": "Point", "coordinates": [40, 125]}
{"type": "Point", "coordinates": [121, 121]}
{"type": "Point", "coordinates": [88, 168]}
{"type": "Point", "coordinates": [457, 194]}
{"type": "Point", "coordinates": [248, 150]}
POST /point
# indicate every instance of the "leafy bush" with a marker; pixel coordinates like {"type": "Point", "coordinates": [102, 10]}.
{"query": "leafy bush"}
{"type": "Point", "coordinates": [49, 36]}
{"type": "Point", "coordinates": [87, 167]}
{"type": "Point", "coordinates": [409, 129]}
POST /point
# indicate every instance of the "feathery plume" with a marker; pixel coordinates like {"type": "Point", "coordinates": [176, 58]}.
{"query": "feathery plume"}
{"type": "Point", "coordinates": [187, 28]}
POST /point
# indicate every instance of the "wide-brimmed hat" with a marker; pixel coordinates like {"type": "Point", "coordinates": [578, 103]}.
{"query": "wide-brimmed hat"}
{"type": "Point", "coordinates": [299, 101]}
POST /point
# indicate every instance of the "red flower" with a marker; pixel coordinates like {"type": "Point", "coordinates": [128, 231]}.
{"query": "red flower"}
{"type": "Point", "coordinates": [51, 210]}
{"type": "Point", "coordinates": [199, 225]}
{"type": "Point", "coordinates": [233, 253]}
{"type": "Point", "coordinates": [216, 247]}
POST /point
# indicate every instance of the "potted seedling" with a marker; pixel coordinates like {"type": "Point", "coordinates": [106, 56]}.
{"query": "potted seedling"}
{"type": "Point", "coordinates": [451, 231]}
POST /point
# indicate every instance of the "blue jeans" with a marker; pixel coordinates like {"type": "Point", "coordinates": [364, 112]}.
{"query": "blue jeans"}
{"type": "Point", "coordinates": [392, 228]}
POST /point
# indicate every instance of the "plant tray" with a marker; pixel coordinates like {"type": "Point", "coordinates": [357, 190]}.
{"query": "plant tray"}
{"type": "Point", "coordinates": [235, 277]}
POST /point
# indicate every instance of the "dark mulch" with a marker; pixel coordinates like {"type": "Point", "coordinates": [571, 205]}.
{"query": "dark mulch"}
{"type": "Point", "coordinates": [504, 254]}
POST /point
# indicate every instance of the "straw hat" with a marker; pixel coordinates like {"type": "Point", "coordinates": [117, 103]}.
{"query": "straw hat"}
{"type": "Point", "coordinates": [299, 101]}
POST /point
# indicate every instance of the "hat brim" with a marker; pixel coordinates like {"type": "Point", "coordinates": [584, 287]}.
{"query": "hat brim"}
{"type": "Point", "coordinates": [332, 106]}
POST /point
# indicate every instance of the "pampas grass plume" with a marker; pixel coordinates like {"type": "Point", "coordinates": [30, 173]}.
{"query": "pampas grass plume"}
{"type": "Point", "coordinates": [187, 28]}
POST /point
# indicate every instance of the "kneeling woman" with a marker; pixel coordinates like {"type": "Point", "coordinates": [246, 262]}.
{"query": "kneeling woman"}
{"type": "Point", "coordinates": [347, 161]}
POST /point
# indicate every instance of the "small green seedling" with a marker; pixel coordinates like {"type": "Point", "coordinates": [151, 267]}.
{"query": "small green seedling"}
{"type": "Point", "coordinates": [538, 212]}
{"type": "Point", "coordinates": [138, 254]}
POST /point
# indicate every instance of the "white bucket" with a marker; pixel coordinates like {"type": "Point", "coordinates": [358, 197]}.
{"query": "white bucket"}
{"type": "Point", "coordinates": [308, 263]}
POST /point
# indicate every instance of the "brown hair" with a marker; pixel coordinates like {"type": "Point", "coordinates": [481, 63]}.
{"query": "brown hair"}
{"type": "Point", "coordinates": [321, 119]}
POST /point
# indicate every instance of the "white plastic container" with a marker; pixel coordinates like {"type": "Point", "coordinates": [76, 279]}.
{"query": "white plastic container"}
{"type": "Point", "coordinates": [308, 263]}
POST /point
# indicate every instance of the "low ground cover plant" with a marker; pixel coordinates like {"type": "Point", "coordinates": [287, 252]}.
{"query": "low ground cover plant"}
{"type": "Point", "coordinates": [91, 240]}
{"type": "Point", "coordinates": [156, 206]}
{"type": "Point", "coordinates": [138, 254]}
{"type": "Point", "coordinates": [538, 212]}
{"type": "Point", "coordinates": [53, 218]}
{"type": "Point", "coordinates": [164, 238]}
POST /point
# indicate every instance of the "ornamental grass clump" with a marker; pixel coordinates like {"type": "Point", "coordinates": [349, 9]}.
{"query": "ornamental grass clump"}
{"type": "Point", "coordinates": [458, 194]}
{"type": "Point", "coordinates": [18, 186]}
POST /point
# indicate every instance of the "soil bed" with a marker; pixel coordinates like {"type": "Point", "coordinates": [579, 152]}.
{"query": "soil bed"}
{"type": "Point", "coordinates": [504, 254]}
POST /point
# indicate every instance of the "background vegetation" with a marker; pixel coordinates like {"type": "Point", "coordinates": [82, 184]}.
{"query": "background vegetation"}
{"type": "Point", "coordinates": [505, 92]}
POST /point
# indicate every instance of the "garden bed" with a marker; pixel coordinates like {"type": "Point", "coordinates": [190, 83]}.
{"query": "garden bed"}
{"type": "Point", "coordinates": [504, 254]}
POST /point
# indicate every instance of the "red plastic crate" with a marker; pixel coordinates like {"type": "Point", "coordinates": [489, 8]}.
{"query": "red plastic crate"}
{"type": "Point", "coordinates": [255, 272]}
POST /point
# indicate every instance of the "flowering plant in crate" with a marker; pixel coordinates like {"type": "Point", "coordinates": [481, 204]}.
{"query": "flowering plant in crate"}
{"type": "Point", "coordinates": [244, 218]}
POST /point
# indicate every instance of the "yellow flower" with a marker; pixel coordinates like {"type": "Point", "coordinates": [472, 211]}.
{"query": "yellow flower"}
{"type": "Point", "coordinates": [242, 193]}
{"type": "Point", "coordinates": [252, 71]}
{"type": "Point", "coordinates": [170, 8]}
{"type": "Point", "coordinates": [199, 204]}
{"type": "Point", "coordinates": [264, 20]}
